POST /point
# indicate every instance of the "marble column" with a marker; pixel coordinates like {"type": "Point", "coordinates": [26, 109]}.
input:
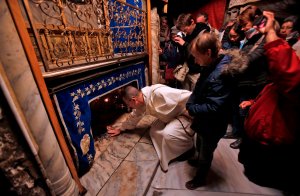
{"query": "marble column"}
{"type": "Point", "coordinates": [20, 77]}
{"type": "Point", "coordinates": [155, 46]}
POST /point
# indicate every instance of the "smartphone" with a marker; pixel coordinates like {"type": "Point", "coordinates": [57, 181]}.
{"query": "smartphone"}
{"type": "Point", "coordinates": [260, 21]}
{"type": "Point", "coordinates": [179, 34]}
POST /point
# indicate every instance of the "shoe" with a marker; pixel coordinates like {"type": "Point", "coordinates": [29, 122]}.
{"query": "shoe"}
{"type": "Point", "coordinates": [195, 183]}
{"type": "Point", "coordinates": [236, 144]}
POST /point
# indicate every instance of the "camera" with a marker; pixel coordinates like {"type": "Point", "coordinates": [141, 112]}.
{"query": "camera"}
{"type": "Point", "coordinates": [260, 21]}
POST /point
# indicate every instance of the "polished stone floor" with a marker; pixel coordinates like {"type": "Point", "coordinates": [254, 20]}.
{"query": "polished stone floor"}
{"type": "Point", "coordinates": [128, 165]}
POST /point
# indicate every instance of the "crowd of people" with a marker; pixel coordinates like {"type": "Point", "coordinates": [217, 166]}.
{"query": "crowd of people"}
{"type": "Point", "coordinates": [247, 76]}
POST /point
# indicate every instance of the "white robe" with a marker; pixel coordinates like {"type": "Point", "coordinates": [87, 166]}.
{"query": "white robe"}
{"type": "Point", "coordinates": [168, 135]}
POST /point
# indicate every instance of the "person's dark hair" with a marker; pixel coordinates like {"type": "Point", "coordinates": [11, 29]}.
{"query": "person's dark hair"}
{"type": "Point", "coordinates": [184, 20]}
{"type": "Point", "coordinates": [204, 14]}
{"type": "Point", "coordinates": [238, 29]}
{"type": "Point", "coordinates": [205, 41]}
{"type": "Point", "coordinates": [225, 25]}
{"type": "Point", "coordinates": [294, 20]}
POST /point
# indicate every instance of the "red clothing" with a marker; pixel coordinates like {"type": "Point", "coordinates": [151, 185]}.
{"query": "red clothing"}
{"type": "Point", "coordinates": [274, 116]}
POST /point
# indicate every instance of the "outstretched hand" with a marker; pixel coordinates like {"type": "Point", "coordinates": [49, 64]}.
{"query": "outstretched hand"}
{"type": "Point", "coordinates": [112, 131]}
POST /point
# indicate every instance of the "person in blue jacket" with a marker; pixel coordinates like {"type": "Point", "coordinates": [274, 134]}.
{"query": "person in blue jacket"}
{"type": "Point", "coordinates": [210, 102]}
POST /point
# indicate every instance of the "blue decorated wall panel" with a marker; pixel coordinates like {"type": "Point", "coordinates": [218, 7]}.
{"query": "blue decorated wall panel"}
{"type": "Point", "coordinates": [74, 110]}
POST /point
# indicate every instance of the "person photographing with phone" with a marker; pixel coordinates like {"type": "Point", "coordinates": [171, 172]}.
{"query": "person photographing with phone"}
{"type": "Point", "coordinates": [191, 29]}
{"type": "Point", "coordinates": [270, 148]}
{"type": "Point", "coordinates": [170, 57]}
{"type": "Point", "coordinates": [255, 77]}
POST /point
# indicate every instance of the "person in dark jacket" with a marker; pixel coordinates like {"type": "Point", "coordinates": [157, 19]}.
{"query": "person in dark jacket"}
{"type": "Point", "coordinates": [172, 56]}
{"type": "Point", "coordinates": [255, 77]}
{"type": "Point", "coordinates": [210, 102]}
{"type": "Point", "coordinates": [187, 25]}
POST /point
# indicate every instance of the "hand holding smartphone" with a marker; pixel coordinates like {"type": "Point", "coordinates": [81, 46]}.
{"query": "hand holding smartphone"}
{"type": "Point", "coordinates": [260, 22]}
{"type": "Point", "coordinates": [179, 34]}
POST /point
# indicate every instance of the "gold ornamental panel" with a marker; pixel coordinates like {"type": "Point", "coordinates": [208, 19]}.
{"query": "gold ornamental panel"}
{"type": "Point", "coordinates": [72, 33]}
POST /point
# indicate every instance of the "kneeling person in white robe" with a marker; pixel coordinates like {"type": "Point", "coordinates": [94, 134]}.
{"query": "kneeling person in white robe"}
{"type": "Point", "coordinates": [170, 133]}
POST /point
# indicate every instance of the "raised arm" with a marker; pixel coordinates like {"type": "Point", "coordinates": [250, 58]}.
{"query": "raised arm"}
{"type": "Point", "coordinates": [284, 65]}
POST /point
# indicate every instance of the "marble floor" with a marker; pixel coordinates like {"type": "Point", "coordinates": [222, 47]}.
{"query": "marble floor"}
{"type": "Point", "coordinates": [128, 165]}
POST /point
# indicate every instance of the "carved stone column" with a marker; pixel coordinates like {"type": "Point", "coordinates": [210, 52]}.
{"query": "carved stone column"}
{"type": "Point", "coordinates": [17, 70]}
{"type": "Point", "coordinates": [155, 45]}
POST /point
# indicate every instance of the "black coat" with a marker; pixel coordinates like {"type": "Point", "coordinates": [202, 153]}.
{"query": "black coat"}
{"type": "Point", "coordinates": [257, 72]}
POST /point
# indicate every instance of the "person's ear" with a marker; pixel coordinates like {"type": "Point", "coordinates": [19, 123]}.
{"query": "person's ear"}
{"type": "Point", "coordinates": [133, 98]}
{"type": "Point", "coordinates": [192, 21]}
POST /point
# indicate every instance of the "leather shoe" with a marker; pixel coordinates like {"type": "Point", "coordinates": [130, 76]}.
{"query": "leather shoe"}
{"type": "Point", "coordinates": [193, 184]}
{"type": "Point", "coordinates": [236, 144]}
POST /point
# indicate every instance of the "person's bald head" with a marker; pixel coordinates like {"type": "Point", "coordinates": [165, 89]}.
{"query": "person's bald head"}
{"type": "Point", "coordinates": [128, 92]}
{"type": "Point", "coordinates": [132, 96]}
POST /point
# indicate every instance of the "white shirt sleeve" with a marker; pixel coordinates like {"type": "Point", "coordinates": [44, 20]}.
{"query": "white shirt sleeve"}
{"type": "Point", "coordinates": [132, 120]}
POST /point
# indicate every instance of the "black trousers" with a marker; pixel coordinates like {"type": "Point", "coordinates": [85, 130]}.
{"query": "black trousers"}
{"type": "Point", "coordinates": [206, 144]}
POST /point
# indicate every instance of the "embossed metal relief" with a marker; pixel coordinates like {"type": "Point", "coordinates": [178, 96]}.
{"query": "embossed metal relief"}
{"type": "Point", "coordinates": [128, 27]}
{"type": "Point", "coordinates": [71, 33]}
